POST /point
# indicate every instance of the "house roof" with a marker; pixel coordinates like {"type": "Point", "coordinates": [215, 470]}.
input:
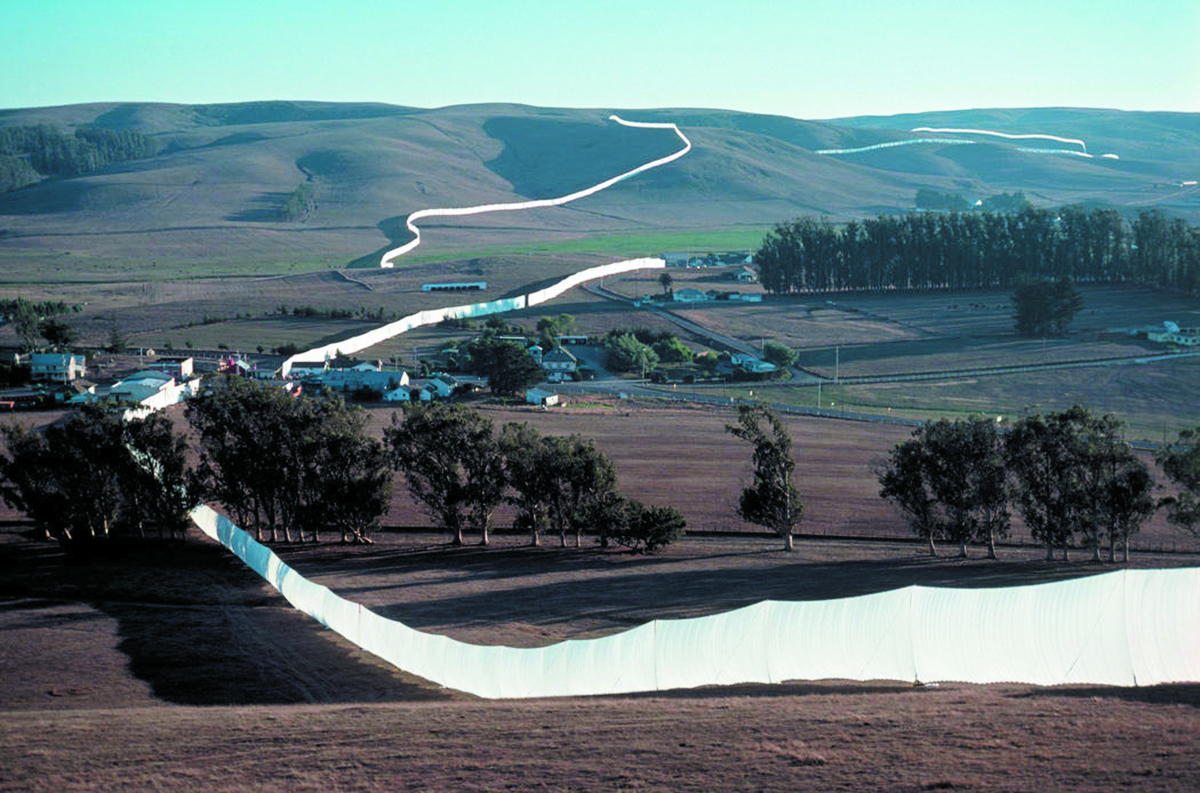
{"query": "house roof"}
{"type": "Point", "coordinates": [347, 363]}
{"type": "Point", "coordinates": [147, 374]}
{"type": "Point", "coordinates": [559, 354]}
{"type": "Point", "coordinates": [52, 358]}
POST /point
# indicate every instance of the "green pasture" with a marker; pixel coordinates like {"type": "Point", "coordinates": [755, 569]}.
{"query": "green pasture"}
{"type": "Point", "coordinates": [626, 245]}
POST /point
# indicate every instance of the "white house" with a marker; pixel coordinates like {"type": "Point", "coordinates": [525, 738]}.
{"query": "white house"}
{"type": "Point", "coordinates": [559, 362]}
{"type": "Point", "coordinates": [688, 295]}
{"type": "Point", "coordinates": [751, 364]}
{"type": "Point", "coordinates": [746, 276]}
{"type": "Point", "coordinates": [140, 386]}
{"type": "Point", "coordinates": [399, 394]}
{"type": "Point", "coordinates": [1171, 333]}
{"type": "Point", "coordinates": [57, 367]}
{"type": "Point", "coordinates": [179, 367]}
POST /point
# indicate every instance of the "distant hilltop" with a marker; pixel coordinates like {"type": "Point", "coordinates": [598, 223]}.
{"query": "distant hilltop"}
{"type": "Point", "coordinates": [340, 178]}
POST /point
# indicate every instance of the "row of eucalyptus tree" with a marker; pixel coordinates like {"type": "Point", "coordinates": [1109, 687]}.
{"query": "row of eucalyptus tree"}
{"type": "Point", "coordinates": [969, 250]}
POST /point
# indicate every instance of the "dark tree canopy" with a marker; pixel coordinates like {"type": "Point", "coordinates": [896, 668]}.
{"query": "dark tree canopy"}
{"type": "Point", "coordinates": [980, 249]}
{"type": "Point", "coordinates": [950, 480]}
{"type": "Point", "coordinates": [1180, 461]}
{"type": "Point", "coordinates": [452, 464]}
{"type": "Point", "coordinates": [625, 353]}
{"type": "Point", "coordinates": [779, 354]}
{"type": "Point", "coordinates": [297, 464]}
{"type": "Point", "coordinates": [92, 476]}
{"type": "Point", "coordinates": [634, 525]}
{"type": "Point", "coordinates": [1074, 476]}
{"type": "Point", "coordinates": [508, 366]}
{"type": "Point", "coordinates": [1045, 308]}
{"type": "Point", "coordinates": [28, 153]}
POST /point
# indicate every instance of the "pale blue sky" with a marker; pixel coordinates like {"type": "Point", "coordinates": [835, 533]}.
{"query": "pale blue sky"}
{"type": "Point", "coordinates": [799, 58]}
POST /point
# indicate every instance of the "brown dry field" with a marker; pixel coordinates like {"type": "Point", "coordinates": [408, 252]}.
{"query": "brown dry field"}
{"type": "Point", "coordinates": [683, 457]}
{"type": "Point", "coordinates": [173, 667]}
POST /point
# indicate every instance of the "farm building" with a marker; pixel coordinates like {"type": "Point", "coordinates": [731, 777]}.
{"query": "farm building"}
{"type": "Point", "coordinates": [688, 295]}
{"type": "Point", "coordinates": [402, 393]}
{"type": "Point", "coordinates": [455, 286]}
{"type": "Point", "coordinates": [751, 364]}
{"type": "Point", "coordinates": [140, 386]}
{"type": "Point", "coordinates": [352, 379]}
{"type": "Point", "coordinates": [179, 367]}
{"type": "Point", "coordinates": [559, 361]}
{"type": "Point", "coordinates": [539, 396]}
{"type": "Point", "coordinates": [57, 367]}
{"type": "Point", "coordinates": [1171, 333]}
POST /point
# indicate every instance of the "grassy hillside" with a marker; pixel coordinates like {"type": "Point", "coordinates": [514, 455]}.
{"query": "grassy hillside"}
{"type": "Point", "coordinates": [210, 200]}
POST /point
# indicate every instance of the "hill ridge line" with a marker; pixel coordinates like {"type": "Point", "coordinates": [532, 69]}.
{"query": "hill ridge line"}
{"type": "Point", "coordinates": [386, 261]}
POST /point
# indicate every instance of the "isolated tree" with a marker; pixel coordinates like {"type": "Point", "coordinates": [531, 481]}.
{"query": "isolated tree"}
{"type": "Point", "coordinates": [772, 500]}
{"type": "Point", "coordinates": [1045, 308]}
{"type": "Point", "coordinates": [58, 334]}
{"type": "Point", "coordinates": [1180, 461]}
{"type": "Point", "coordinates": [452, 464]}
{"type": "Point", "coordinates": [779, 354]}
{"type": "Point", "coordinates": [624, 353]}
{"type": "Point", "coordinates": [665, 280]}
{"type": "Point", "coordinates": [118, 342]}
{"type": "Point", "coordinates": [508, 366]}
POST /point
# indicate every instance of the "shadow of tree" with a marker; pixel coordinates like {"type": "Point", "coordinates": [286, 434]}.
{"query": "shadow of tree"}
{"type": "Point", "coordinates": [1165, 694]}
{"type": "Point", "coordinates": [200, 628]}
{"type": "Point", "coordinates": [264, 208]}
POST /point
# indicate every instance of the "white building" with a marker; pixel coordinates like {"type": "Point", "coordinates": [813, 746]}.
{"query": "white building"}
{"type": "Point", "coordinates": [57, 367]}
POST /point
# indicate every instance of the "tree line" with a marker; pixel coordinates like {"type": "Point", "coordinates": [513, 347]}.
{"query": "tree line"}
{"type": "Point", "coordinates": [288, 468]}
{"type": "Point", "coordinates": [1070, 475]}
{"type": "Point", "coordinates": [956, 250]}
{"type": "Point", "coordinates": [459, 469]}
{"type": "Point", "coordinates": [28, 153]}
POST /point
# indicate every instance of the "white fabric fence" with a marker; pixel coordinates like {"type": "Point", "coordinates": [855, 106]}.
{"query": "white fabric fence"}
{"type": "Point", "coordinates": [470, 310]}
{"type": "Point", "coordinates": [411, 222]}
{"type": "Point", "coordinates": [1125, 628]}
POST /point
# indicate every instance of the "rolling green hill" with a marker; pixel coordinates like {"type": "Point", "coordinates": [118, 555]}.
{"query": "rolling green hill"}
{"type": "Point", "coordinates": [215, 190]}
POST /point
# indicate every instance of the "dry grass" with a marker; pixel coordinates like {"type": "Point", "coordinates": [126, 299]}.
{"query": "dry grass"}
{"type": "Point", "coordinates": [106, 663]}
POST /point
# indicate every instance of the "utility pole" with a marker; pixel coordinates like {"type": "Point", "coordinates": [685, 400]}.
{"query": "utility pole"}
{"type": "Point", "coordinates": [837, 364]}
